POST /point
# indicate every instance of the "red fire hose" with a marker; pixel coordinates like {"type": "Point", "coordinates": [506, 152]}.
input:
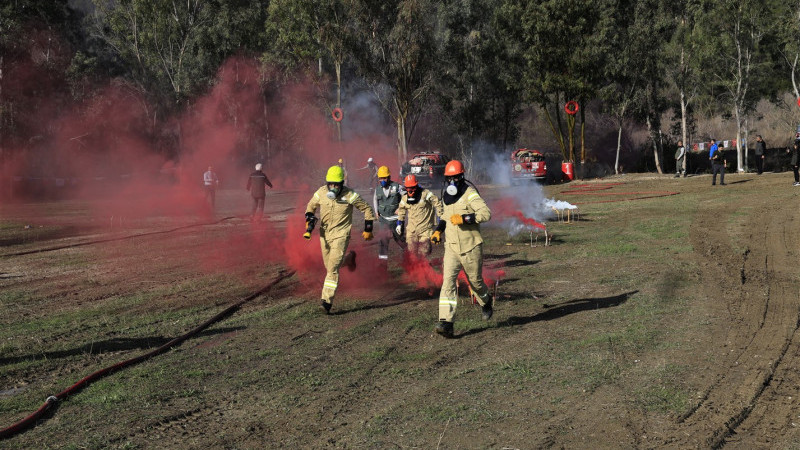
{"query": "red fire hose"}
{"type": "Point", "coordinates": [30, 421]}
{"type": "Point", "coordinates": [337, 114]}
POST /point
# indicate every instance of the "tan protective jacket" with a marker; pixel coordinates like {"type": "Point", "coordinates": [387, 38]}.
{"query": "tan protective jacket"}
{"type": "Point", "coordinates": [336, 216]}
{"type": "Point", "coordinates": [463, 238]}
{"type": "Point", "coordinates": [421, 215]}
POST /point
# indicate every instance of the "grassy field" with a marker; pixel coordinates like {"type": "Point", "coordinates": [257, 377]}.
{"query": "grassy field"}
{"type": "Point", "coordinates": [606, 338]}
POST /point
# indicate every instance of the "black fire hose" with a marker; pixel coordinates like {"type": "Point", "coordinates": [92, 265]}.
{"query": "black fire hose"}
{"type": "Point", "coordinates": [30, 421]}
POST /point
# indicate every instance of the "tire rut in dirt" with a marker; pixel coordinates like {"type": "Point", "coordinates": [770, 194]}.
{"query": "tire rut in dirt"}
{"type": "Point", "coordinates": [759, 292]}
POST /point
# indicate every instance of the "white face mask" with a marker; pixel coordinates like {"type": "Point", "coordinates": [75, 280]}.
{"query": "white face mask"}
{"type": "Point", "coordinates": [452, 189]}
{"type": "Point", "coordinates": [331, 195]}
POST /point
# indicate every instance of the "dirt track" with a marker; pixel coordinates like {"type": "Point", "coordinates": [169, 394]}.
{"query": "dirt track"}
{"type": "Point", "coordinates": [374, 375]}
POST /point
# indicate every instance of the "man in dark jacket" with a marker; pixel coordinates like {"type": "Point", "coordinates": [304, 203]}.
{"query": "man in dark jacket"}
{"type": "Point", "coordinates": [257, 185]}
{"type": "Point", "coordinates": [761, 149]}
{"type": "Point", "coordinates": [717, 163]}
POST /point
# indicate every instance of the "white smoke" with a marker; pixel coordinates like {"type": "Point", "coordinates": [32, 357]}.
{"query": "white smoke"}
{"type": "Point", "coordinates": [528, 196]}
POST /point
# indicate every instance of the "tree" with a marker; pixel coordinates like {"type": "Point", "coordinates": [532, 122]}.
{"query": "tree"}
{"type": "Point", "coordinates": [480, 71]}
{"type": "Point", "coordinates": [174, 47]}
{"type": "Point", "coordinates": [564, 44]}
{"type": "Point", "coordinates": [397, 58]}
{"type": "Point", "coordinates": [683, 63]}
{"type": "Point", "coordinates": [735, 31]}
{"type": "Point", "coordinates": [304, 31]}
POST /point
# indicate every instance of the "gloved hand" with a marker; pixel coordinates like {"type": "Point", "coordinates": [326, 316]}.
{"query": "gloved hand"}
{"type": "Point", "coordinates": [307, 234]}
{"type": "Point", "coordinates": [399, 227]}
{"type": "Point", "coordinates": [367, 235]}
{"type": "Point", "coordinates": [456, 219]}
{"type": "Point", "coordinates": [436, 237]}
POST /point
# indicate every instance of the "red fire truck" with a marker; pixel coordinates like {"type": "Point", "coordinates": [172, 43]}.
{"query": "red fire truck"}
{"type": "Point", "coordinates": [527, 165]}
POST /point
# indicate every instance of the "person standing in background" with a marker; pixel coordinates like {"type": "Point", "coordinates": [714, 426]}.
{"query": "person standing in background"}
{"type": "Point", "coordinates": [761, 149]}
{"type": "Point", "coordinates": [717, 163]}
{"type": "Point", "coordinates": [257, 185]}
{"type": "Point", "coordinates": [795, 162]}
{"type": "Point", "coordinates": [210, 183]}
{"type": "Point", "coordinates": [680, 158]}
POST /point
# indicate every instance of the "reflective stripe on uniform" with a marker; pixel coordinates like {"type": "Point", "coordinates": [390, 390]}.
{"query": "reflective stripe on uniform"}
{"type": "Point", "coordinates": [473, 196]}
{"type": "Point", "coordinates": [332, 284]}
{"type": "Point", "coordinates": [428, 197]}
{"type": "Point", "coordinates": [316, 195]}
{"type": "Point", "coordinates": [448, 301]}
{"type": "Point", "coordinates": [352, 198]}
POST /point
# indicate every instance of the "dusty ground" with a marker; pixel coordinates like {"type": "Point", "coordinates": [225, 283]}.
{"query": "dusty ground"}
{"type": "Point", "coordinates": [652, 321]}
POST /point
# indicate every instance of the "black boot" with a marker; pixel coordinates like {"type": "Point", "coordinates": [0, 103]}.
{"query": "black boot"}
{"type": "Point", "coordinates": [444, 328]}
{"type": "Point", "coordinates": [487, 311]}
{"type": "Point", "coordinates": [326, 306]}
{"type": "Point", "coordinates": [350, 261]}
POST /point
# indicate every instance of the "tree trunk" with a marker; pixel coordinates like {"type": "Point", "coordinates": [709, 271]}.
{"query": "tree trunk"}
{"type": "Point", "coordinates": [684, 137]}
{"type": "Point", "coordinates": [339, 98]}
{"type": "Point", "coordinates": [655, 145]}
{"type": "Point", "coordinates": [619, 146]}
{"type": "Point", "coordinates": [583, 141]}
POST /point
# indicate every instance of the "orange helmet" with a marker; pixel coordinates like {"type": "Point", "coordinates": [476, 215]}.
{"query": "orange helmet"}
{"type": "Point", "coordinates": [453, 168]}
{"type": "Point", "coordinates": [410, 181]}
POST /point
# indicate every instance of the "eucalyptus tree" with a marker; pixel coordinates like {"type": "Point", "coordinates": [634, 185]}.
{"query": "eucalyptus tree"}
{"type": "Point", "coordinates": [174, 47]}
{"type": "Point", "coordinates": [683, 62]}
{"type": "Point", "coordinates": [633, 44]}
{"type": "Point", "coordinates": [788, 32]}
{"type": "Point", "coordinates": [397, 56]}
{"type": "Point", "coordinates": [37, 42]}
{"type": "Point", "coordinates": [564, 47]}
{"type": "Point", "coordinates": [303, 31]}
{"type": "Point", "coordinates": [478, 82]}
{"type": "Point", "coordinates": [735, 31]}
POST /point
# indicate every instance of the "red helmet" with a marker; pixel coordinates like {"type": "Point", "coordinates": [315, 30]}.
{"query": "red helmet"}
{"type": "Point", "coordinates": [410, 181]}
{"type": "Point", "coordinates": [453, 168]}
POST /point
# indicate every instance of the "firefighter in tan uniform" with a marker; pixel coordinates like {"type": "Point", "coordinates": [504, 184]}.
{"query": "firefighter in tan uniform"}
{"type": "Point", "coordinates": [335, 202]}
{"type": "Point", "coordinates": [417, 213]}
{"type": "Point", "coordinates": [464, 211]}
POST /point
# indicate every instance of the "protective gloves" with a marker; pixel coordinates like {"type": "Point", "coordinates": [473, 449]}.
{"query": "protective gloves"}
{"type": "Point", "coordinates": [456, 219]}
{"type": "Point", "coordinates": [311, 221]}
{"type": "Point", "coordinates": [399, 227]}
{"type": "Point", "coordinates": [436, 237]}
{"type": "Point", "coordinates": [367, 235]}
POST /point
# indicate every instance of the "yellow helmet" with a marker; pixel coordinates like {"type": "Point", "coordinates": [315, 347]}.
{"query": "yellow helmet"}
{"type": "Point", "coordinates": [335, 175]}
{"type": "Point", "coordinates": [383, 172]}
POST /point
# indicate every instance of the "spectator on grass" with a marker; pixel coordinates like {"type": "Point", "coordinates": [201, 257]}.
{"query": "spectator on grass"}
{"type": "Point", "coordinates": [761, 149]}
{"type": "Point", "coordinates": [210, 183]}
{"type": "Point", "coordinates": [717, 163]}
{"type": "Point", "coordinates": [680, 157]}
{"type": "Point", "coordinates": [257, 185]}
{"type": "Point", "coordinates": [795, 162]}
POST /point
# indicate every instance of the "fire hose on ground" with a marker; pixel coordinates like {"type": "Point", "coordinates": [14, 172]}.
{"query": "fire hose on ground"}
{"type": "Point", "coordinates": [30, 421]}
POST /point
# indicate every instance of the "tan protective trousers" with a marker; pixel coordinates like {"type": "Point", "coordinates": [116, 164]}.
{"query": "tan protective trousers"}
{"type": "Point", "coordinates": [419, 245]}
{"type": "Point", "coordinates": [472, 263]}
{"type": "Point", "coordinates": [332, 255]}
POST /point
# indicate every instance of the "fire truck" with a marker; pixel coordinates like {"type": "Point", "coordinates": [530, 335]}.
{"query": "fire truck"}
{"type": "Point", "coordinates": [527, 165]}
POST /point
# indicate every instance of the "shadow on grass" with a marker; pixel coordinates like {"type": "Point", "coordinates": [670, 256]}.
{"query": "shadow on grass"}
{"type": "Point", "coordinates": [110, 345]}
{"type": "Point", "coordinates": [405, 297]}
{"type": "Point", "coordinates": [740, 181]}
{"type": "Point", "coordinates": [560, 310]}
{"type": "Point", "coordinates": [490, 256]}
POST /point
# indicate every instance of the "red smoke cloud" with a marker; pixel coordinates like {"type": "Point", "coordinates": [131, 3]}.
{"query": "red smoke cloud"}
{"type": "Point", "coordinates": [508, 207]}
